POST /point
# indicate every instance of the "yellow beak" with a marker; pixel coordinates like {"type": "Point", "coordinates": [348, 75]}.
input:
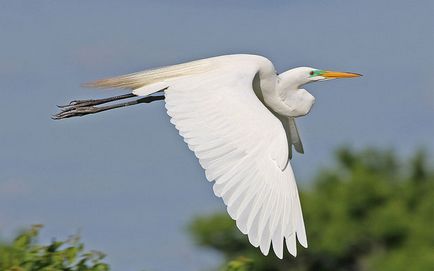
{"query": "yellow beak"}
{"type": "Point", "coordinates": [333, 75]}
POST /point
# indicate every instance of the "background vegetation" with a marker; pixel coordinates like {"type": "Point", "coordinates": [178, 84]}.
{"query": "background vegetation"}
{"type": "Point", "coordinates": [25, 254]}
{"type": "Point", "coordinates": [370, 211]}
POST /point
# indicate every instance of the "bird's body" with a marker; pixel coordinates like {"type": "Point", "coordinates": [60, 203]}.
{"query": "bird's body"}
{"type": "Point", "coordinates": [237, 115]}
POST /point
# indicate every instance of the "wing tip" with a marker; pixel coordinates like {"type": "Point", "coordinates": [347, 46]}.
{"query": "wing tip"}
{"type": "Point", "coordinates": [302, 239]}
{"type": "Point", "coordinates": [265, 249]}
{"type": "Point", "coordinates": [300, 149]}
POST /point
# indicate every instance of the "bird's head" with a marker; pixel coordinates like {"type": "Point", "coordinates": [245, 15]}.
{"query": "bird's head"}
{"type": "Point", "coordinates": [303, 75]}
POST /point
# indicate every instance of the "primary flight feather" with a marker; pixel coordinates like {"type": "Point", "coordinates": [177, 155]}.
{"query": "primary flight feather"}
{"type": "Point", "coordinates": [238, 117]}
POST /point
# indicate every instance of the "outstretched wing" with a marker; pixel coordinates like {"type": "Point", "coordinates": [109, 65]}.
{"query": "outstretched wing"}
{"type": "Point", "coordinates": [243, 148]}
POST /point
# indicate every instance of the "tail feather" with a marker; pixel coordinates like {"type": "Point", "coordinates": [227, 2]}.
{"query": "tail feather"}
{"type": "Point", "coordinates": [143, 78]}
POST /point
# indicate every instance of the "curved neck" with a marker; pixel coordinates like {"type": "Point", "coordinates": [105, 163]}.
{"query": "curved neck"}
{"type": "Point", "coordinates": [297, 101]}
{"type": "Point", "coordinates": [282, 93]}
{"type": "Point", "coordinates": [290, 80]}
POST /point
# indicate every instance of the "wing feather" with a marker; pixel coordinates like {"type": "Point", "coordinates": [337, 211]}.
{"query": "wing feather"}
{"type": "Point", "coordinates": [243, 148]}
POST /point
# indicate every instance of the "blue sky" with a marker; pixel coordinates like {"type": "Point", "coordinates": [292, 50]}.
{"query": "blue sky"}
{"type": "Point", "coordinates": [124, 178]}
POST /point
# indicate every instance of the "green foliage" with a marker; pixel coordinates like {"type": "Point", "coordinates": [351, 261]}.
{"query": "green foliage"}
{"type": "Point", "coordinates": [240, 264]}
{"type": "Point", "coordinates": [369, 212]}
{"type": "Point", "coordinates": [24, 254]}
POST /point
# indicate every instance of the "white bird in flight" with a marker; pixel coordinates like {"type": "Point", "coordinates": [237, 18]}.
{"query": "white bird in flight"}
{"type": "Point", "coordinates": [238, 117]}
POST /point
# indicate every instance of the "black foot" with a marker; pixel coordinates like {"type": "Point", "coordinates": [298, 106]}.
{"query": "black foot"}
{"type": "Point", "coordinates": [74, 111]}
{"type": "Point", "coordinates": [80, 108]}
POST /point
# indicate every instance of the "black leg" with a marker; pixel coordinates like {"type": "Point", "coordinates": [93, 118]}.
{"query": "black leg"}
{"type": "Point", "coordinates": [81, 103]}
{"type": "Point", "coordinates": [86, 107]}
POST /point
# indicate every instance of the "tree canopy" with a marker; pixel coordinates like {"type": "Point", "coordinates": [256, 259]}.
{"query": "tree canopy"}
{"type": "Point", "coordinates": [26, 254]}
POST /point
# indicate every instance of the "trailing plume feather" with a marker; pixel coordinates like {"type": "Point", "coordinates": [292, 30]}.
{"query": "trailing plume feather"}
{"type": "Point", "coordinates": [143, 78]}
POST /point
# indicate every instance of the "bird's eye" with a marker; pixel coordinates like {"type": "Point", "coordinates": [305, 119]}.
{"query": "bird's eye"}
{"type": "Point", "coordinates": [311, 73]}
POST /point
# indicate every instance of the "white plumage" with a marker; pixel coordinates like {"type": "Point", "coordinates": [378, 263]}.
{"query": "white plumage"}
{"type": "Point", "coordinates": [243, 148]}
{"type": "Point", "coordinates": [241, 145]}
{"type": "Point", "coordinates": [237, 116]}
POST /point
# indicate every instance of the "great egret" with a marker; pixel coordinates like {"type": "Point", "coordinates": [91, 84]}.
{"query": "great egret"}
{"type": "Point", "coordinates": [238, 116]}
